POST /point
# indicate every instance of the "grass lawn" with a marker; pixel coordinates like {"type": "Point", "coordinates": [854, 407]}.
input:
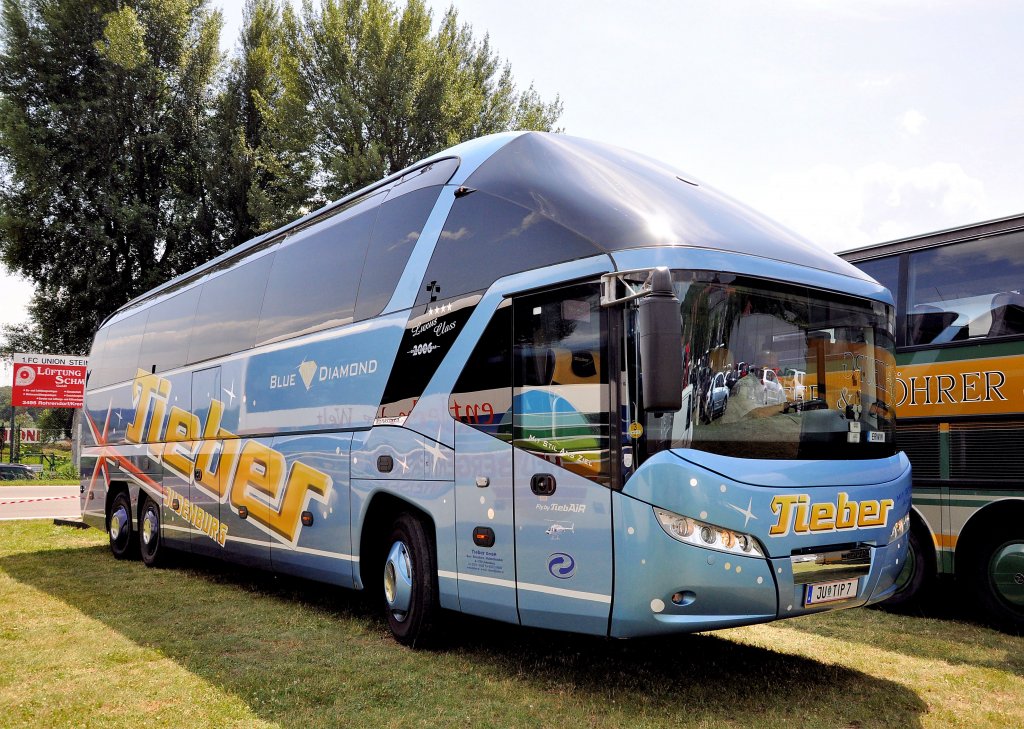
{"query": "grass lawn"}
{"type": "Point", "coordinates": [88, 641]}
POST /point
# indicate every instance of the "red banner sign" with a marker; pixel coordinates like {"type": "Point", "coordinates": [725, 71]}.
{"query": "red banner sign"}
{"type": "Point", "coordinates": [25, 435]}
{"type": "Point", "coordinates": [48, 381]}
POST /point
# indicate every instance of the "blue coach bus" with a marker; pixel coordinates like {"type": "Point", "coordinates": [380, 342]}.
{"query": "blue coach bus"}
{"type": "Point", "coordinates": [533, 378]}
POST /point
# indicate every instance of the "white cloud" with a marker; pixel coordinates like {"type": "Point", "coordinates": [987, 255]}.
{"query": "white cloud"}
{"type": "Point", "coordinates": [913, 121]}
{"type": "Point", "coordinates": [15, 293]}
{"type": "Point", "coordinates": [14, 298]}
{"type": "Point", "coordinates": [840, 208]}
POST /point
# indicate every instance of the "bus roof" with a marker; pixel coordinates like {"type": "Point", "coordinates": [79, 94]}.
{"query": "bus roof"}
{"type": "Point", "coordinates": [614, 198]}
{"type": "Point", "coordinates": [997, 226]}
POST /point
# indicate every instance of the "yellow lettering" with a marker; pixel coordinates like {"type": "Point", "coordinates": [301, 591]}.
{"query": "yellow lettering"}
{"type": "Point", "coordinates": [260, 472]}
{"type": "Point", "coordinates": [801, 515]}
{"type": "Point", "coordinates": [846, 515]}
{"type": "Point", "coordinates": [301, 480]}
{"type": "Point", "coordinates": [823, 517]}
{"type": "Point", "coordinates": [149, 395]}
{"type": "Point", "coordinates": [222, 534]}
{"type": "Point", "coordinates": [783, 506]}
{"type": "Point", "coordinates": [873, 513]}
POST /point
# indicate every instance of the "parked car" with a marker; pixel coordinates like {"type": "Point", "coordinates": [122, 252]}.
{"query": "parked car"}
{"type": "Point", "coordinates": [718, 396]}
{"type": "Point", "coordinates": [774, 394]}
{"type": "Point", "coordinates": [15, 472]}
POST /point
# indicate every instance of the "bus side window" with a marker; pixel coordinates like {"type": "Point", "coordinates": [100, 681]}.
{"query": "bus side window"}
{"type": "Point", "coordinates": [170, 324]}
{"type": "Point", "coordinates": [121, 353]}
{"type": "Point", "coordinates": [1007, 314]}
{"type": "Point", "coordinates": [560, 396]}
{"type": "Point", "coordinates": [486, 238]}
{"type": "Point", "coordinates": [229, 310]}
{"type": "Point", "coordinates": [482, 396]}
{"type": "Point", "coordinates": [315, 276]}
{"type": "Point", "coordinates": [398, 228]}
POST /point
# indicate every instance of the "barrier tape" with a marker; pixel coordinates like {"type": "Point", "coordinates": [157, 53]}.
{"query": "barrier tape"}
{"type": "Point", "coordinates": [32, 499]}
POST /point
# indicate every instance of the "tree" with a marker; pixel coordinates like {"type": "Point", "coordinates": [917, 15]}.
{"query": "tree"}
{"type": "Point", "coordinates": [130, 154]}
{"type": "Point", "coordinates": [371, 90]}
{"type": "Point", "coordinates": [103, 137]}
{"type": "Point", "coordinates": [261, 179]}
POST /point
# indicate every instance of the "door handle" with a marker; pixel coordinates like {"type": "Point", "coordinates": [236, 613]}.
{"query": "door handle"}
{"type": "Point", "coordinates": [542, 484]}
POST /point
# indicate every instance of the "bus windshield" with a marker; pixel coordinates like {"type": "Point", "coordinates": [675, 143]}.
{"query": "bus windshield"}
{"type": "Point", "coordinates": [776, 371]}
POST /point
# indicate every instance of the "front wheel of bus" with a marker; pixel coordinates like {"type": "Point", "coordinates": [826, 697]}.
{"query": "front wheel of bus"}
{"type": "Point", "coordinates": [916, 577]}
{"type": "Point", "coordinates": [123, 542]}
{"type": "Point", "coordinates": [410, 582]}
{"type": "Point", "coordinates": [996, 574]}
{"type": "Point", "coordinates": [149, 535]}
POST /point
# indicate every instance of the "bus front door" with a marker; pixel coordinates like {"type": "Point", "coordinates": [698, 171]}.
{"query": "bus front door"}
{"type": "Point", "coordinates": [560, 463]}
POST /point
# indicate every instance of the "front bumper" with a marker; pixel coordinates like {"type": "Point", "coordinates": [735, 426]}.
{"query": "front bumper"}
{"type": "Point", "coordinates": [665, 586]}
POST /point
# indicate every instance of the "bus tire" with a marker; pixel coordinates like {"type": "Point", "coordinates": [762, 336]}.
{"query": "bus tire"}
{"type": "Point", "coordinates": [410, 582]}
{"type": "Point", "coordinates": [124, 543]}
{"type": "Point", "coordinates": [917, 578]}
{"type": "Point", "coordinates": [995, 577]}
{"type": "Point", "coordinates": [150, 542]}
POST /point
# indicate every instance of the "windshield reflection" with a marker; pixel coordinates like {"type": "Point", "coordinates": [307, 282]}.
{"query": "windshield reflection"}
{"type": "Point", "coordinates": [775, 371]}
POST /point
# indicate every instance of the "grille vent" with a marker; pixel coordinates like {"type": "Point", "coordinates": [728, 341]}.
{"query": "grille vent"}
{"type": "Point", "coordinates": [921, 444]}
{"type": "Point", "coordinates": [989, 451]}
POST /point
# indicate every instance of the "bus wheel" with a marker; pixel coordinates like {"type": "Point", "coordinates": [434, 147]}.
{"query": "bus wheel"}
{"type": "Point", "coordinates": [149, 535]}
{"type": "Point", "coordinates": [123, 543]}
{"type": "Point", "coordinates": [410, 582]}
{"type": "Point", "coordinates": [916, 577]}
{"type": "Point", "coordinates": [996, 573]}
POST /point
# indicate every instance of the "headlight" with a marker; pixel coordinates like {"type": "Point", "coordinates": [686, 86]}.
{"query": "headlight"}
{"type": "Point", "coordinates": [709, 536]}
{"type": "Point", "coordinates": [900, 528]}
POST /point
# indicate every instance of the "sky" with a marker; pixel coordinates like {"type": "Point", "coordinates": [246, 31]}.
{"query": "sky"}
{"type": "Point", "coordinates": [851, 122]}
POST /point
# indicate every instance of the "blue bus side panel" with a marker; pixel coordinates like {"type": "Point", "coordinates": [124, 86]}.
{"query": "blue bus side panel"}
{"type": "Point", "coordinates": [563, 549]}
{"type": "Point", "coordinates": [425, 482]}
{"type": "Point", "coordinates": [323, 550]}
{"type": "Point", "coordinates": [320, 383]}
{"type": "Point", "coordinates": [486, 574]}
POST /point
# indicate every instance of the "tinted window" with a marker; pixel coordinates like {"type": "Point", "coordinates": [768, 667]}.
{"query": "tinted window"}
{"type": "Point", "coordinates": [398, 227]}
{"type": "Point", "coordinates": [229, 310]}
{"type": "Point", "coordinates": [884, 270]}
{"type": "Point", "coordinates": [482, 397]}
{"type": "Point", "coordinates": [165, 344]}
{"type": "Point", "coordinates": [966, 291]}
{"type": "Point", "coordinates": [486, 238]}
{"type": "Point", "coordinates": [96, 354]}
{"type": "Point", "coordinates": [560, 377]}
{"type": "Point", "coordinates": [120, 358]}
{"type": "Point", "coordinates": [315, 276]}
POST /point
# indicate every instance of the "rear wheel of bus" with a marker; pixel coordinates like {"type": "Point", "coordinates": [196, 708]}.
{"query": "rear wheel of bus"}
{"type": "Point", "coordinates": [410, 582]}
{"type": "Point", "coordinates": [150, 542]}
{"type": "Point", "coordinates": [123, 542]}
{"type": "Point", "coordinates": [995, 573]}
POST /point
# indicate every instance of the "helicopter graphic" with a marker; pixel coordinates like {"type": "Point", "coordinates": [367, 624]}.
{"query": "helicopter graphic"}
{"type": "Point", "coordinates": [558, 528]}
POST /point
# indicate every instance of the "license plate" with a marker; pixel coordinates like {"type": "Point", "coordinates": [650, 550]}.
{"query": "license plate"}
{"type": "Point", "coordinates": [830, 591]}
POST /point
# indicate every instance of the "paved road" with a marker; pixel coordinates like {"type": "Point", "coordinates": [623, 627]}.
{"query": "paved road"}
{"type": "Point", "coordinates": [39, 502]}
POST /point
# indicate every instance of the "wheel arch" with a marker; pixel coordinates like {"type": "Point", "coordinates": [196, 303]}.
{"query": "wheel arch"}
{"type": "Point", "coordinates": [115, 488]}
{"type": "Point", "coordinates": [1005, 512]}
{"type": "Point", "coordinates": [382, 510]}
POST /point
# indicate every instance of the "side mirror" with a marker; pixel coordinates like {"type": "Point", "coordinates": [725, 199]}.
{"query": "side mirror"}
{"type": "Point", "coordinates": [661, 345]}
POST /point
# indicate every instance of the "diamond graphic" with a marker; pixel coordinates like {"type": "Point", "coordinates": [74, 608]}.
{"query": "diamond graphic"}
{"type": "Point", "coordinates": [306, 371]}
